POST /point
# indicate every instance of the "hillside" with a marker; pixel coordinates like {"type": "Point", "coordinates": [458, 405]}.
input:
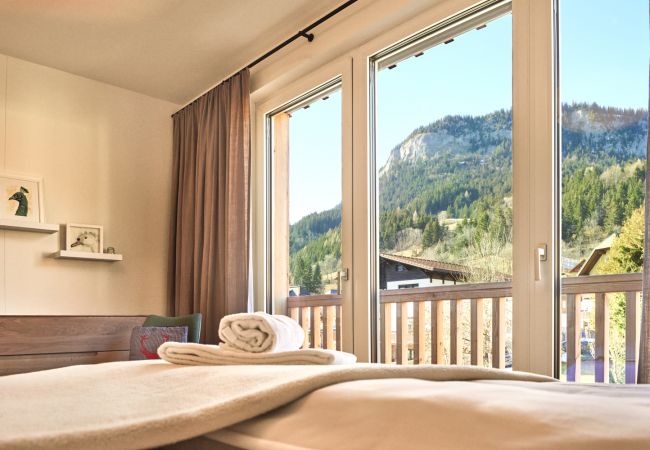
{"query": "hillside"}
{"type": "Point", "coordinates": [460, 167]}
{"type": "Point", "coordinates": [312, 227]}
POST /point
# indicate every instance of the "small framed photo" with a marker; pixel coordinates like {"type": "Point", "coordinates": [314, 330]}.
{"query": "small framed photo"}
{"type": "Point", "coordinates": [23, 197]}
{"type": "Point", "coordinates": [84, 238]}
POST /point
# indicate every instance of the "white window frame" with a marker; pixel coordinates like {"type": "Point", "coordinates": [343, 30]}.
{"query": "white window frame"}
{"type": "Point", "coordinates": [534, 182]}
{"type": "Point", "coordinates": [264, 298]}
{"type": "Point", "coordinates": [535, 330]}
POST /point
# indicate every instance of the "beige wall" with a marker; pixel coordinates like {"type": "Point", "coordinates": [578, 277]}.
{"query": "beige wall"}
{"type": "Point", "coordinates": [105, 157]}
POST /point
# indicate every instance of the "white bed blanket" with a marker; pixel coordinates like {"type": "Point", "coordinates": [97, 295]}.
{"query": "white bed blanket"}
{"type": "Point", "coordinates": [204, 354]}
{"type": "Point", "coordinates": [138, 404]}
{"type": "Point", "coordinates": [416, 414]}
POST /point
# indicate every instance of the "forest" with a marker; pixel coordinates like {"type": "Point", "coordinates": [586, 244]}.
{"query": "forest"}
{"type": "Point", "coordinates": [445, 192]}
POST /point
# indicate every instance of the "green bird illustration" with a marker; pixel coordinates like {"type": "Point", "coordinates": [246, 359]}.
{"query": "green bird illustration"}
{"type": "Point", "coordinates": [23, 201]}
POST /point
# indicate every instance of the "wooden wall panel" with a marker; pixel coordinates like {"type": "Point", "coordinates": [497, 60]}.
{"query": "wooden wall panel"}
{"type": "Point", "coordinates": [29, 343]}
{"type": "Point", "coordinates": [29, 363]}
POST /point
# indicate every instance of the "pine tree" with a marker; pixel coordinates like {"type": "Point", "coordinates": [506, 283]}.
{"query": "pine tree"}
{"type": "Point", "coordinates": [316, 282]}
{"type": "Point", "coordinates": [428, 235]}
{"type": "Point", "coordinates": [433, 232]}
{"type": "Point", "coordinates": [307, 279]}
{"type": "Point", "coordinates": [300, 271]}
{"type": "Point", "coordinates": [438, 230]}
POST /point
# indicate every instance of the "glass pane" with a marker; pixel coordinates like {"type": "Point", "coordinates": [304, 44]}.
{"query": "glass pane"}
{"type": "Point", "coordinates": [604, 48]}
{"type": "Point", "coordinates": [444, 158]}
{"type": "Point", "coordinates": [307, 197]}
{"type": "Point", "coordinates": [315, 197]}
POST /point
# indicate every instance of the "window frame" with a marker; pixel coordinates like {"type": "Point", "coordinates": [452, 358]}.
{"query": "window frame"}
{"type": "Point", "coordinates": [534, 333]}
{"type": "Point", "coordinates": [333, 75]}
{"type": "Point", "coordinates": [459, 23]}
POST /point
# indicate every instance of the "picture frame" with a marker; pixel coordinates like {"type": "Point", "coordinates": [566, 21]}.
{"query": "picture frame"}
{"type": "Point", "coordinates": [23, 196]}
{"type": "Point", "coordinates": [84, 238]}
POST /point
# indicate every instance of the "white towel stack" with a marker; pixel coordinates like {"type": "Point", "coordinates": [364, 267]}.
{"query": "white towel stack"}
{"type": "Point", "coordinates": [202, 354]}
{"type": "Point", "coordinates": [255, 338]}
{"type": "Point", "coordinates": [260, 332]}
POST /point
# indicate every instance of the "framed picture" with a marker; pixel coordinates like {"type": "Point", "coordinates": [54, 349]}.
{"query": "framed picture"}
{"type": "Point", "coordinates": [84, 238]}
{"type": "Point", "coordinates": [23, 197]}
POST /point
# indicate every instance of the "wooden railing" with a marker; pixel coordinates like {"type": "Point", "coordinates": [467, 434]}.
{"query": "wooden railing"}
{"type": "Point", "coordinates": [601, 287]}
{"type": "Point", "coordinates": [433, 299]}
{"type": "Point", "coordinates": [432, 317]}
{"type": "Point", "coordinates": [320, 318]}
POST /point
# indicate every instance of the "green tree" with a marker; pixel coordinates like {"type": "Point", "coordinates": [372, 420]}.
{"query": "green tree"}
{"type": "Point", "coordinates": [300, 271]}
{"type": "Point", "coordinates": [315, 285]}
{"type": "Point", "coordinates": [482, 220]}
{"type": "Point", "coordinates": [308, 277]}
{"type": "Point", "coordinates": [432, 233]}
{"type": "Point", "coordinates": [624, 256]}
{"type": "Point", "coordinates": [626, 253]}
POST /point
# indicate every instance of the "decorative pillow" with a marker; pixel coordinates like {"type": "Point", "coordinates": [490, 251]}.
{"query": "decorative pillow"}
{"type": "Point", "coordinates": [191, 321]}
{"type": "Point", "coordinates": [146, 340]}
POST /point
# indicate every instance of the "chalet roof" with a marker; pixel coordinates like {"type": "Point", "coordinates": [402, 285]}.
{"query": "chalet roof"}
{"type": "Point", "coordinates": [597, 253]}
{"type": "Point", "coordinates": [428, 265]}
{"type": "Point", "coordinates": [576, 268]}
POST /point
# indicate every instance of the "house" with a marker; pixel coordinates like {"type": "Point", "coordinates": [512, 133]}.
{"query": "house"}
{"type": "Point", "coordinates": [586, 266]}
{"type": "Point", "coordinates": [400, 272]}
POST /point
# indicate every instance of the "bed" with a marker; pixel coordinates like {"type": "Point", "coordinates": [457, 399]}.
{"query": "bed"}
{"type": "Point", "coordinates": [413, 413]}
{"type": "Point", "coordinates": [154, 404]}
{"type": "Point", "coordinates": [148, 404]}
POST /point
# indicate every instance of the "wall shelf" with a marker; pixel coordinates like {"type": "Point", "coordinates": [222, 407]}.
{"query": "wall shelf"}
{"type": "Point", "coordinates": [37, 227]}
{"type": "Point", "coordinates": [67, 254]}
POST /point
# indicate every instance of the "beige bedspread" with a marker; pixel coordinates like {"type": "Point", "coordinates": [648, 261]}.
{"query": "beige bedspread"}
{"type": "Point", "coordinates": [137, 404]}
{"type": "Point", "coordinates": [415, 414]}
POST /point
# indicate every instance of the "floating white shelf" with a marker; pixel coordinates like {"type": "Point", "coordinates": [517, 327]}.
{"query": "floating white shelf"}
{"type": "Point", "coordinates": [37, 227]}
{"type": "Point", "coordinates": [66, 254]}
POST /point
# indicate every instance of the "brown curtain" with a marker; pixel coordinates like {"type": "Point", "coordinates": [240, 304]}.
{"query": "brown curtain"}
{"type": "Point", "coordinates": [209, 248]}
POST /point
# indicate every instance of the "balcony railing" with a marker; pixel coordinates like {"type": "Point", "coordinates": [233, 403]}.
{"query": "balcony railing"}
{"type": "Point", "coordinates": [601, 288]}
{"type": "Point", "coordinates": [433, 299]}
{"type": "Point", "coordinates": [421, 325]}
{"type": "Point", "coordinates": [320, 318]}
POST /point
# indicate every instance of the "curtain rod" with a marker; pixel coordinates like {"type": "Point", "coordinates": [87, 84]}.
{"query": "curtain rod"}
{"type": "Point", "coordinates": [305, 33]}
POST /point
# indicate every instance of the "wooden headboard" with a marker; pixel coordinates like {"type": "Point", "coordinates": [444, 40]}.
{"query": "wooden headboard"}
{"type": "Point", "coordinates": [29, 343]}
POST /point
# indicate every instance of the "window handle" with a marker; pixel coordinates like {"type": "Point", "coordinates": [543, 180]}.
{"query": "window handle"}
{"type": "Point", "coordinates": [343, 275]}
{"type": "Point", "coordinates": [540, 257]}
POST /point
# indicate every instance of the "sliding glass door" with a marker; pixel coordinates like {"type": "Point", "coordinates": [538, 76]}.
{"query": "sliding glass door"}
{"type": "Point", "coordinates": [443, 153]}
{"type": "Point", "coordinates": [308, 240]}
{"type": "Point", "coordinates": [603, 130]}
{"type": "Point", "coordinates": [496, 186]}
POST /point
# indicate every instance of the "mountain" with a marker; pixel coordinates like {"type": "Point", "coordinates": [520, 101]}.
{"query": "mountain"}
{"type": "Point", "coordinates": [312, 226]}
{"type": "Point", "coordinates": [603, 130]}
{"type": "Point", "coordinates": [462, 166]}
{"type": "Point", "coordinates": [459, 134]}
{"type": "Point", "coordinates": [593, 131]}
{"type": "Point", "coordinates": [453, 161]}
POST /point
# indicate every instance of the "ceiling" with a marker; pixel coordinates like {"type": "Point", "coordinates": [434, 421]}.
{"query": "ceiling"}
{"type": "Point", "coordinates": [169, 49]}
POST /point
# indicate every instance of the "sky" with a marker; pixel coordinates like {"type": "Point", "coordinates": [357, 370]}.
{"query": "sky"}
{"type": "Point", "coordinates": [315, 157]}
{"type": "Point", "coordinates": [604, 51]}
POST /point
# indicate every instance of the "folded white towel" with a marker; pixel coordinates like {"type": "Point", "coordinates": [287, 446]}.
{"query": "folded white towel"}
{"type": "Point", "coordinates": [202, 354]}
{"type": "Point", "coordinates": [260, 332]}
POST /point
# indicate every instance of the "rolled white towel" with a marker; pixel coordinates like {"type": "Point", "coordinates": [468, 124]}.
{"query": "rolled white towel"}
{"type": "Point", "coordinates": [203, 354]}
{"type": "Point", "coordinates": [260, 332]}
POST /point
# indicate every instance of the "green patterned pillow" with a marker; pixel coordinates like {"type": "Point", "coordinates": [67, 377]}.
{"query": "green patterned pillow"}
{"type": "Point", "coordinates": [191, 321]}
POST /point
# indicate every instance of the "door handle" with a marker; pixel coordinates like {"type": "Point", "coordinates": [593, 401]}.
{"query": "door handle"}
{"type": "Point", "coordinates": [541, 256]}
{"type": "Point", "coordinates": [343, 275]}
